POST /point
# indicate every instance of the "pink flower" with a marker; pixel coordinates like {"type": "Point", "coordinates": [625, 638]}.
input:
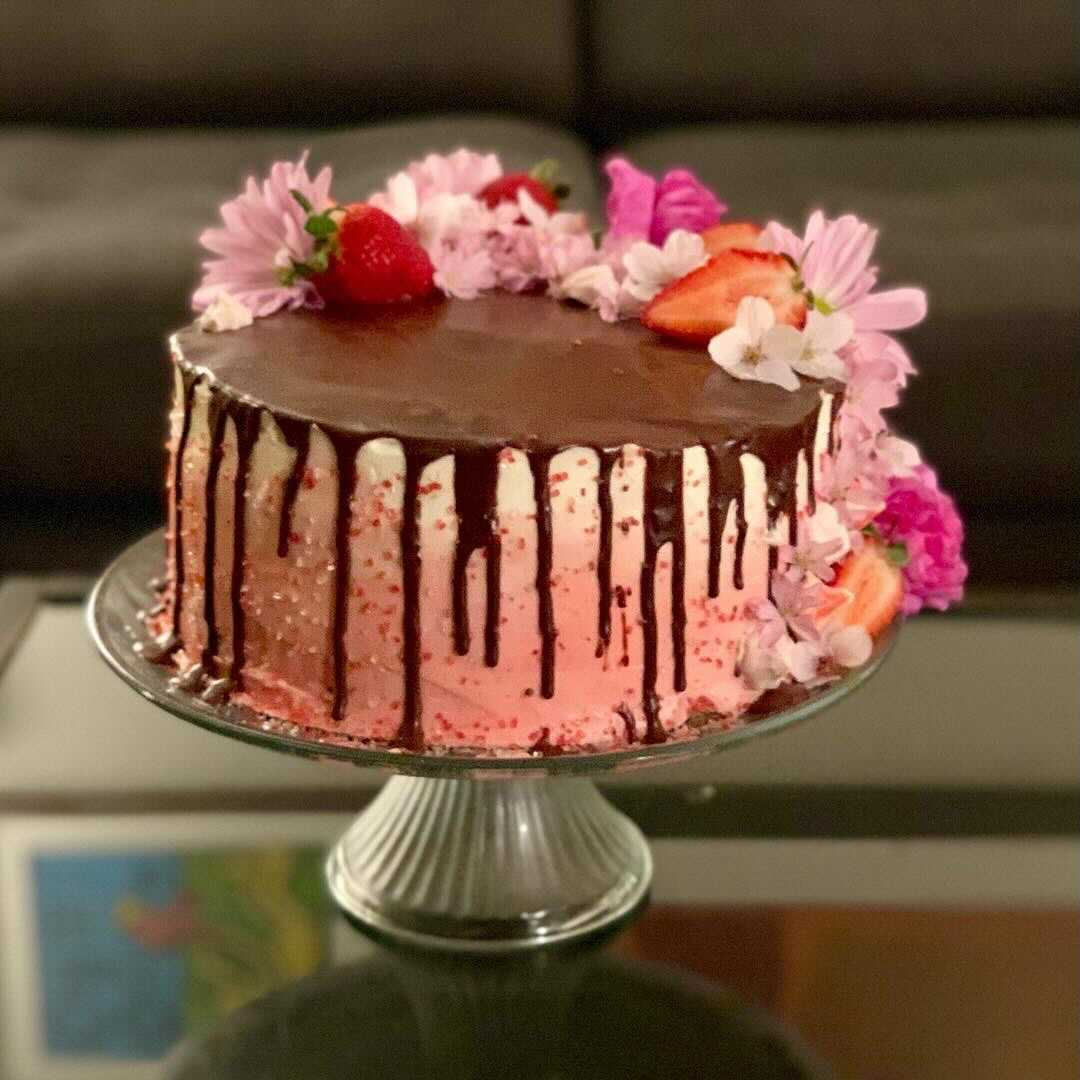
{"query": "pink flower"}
{"type": "Point", "coordinates": [833, 258]}
{"type": "Point", "coordinates": [263, 236]}
{"type": "Point", "coordinates": [683, 202]}
{"type": "Point", "coordinates": [871, 388]}
{"type": "Point", "coordinates": [924, 518]}
{"type": "Point", "coordinates": [770, 655]}
{"type": "Point", "coordinates": [461, 173]}
{"type": "Point", "coordinates": [463, 269]}
{"type": "Point", "coordinates": [641, 207]}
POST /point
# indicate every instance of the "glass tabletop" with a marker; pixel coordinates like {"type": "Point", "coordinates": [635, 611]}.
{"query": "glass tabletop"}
{"type": "Point", "coordinates": [899, 899]}
{"type": "Point", "coordinates": [203, 945]}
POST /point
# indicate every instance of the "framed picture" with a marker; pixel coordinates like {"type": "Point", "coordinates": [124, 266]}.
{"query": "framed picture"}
{"type": "Point", "coordinates": [122, 935]}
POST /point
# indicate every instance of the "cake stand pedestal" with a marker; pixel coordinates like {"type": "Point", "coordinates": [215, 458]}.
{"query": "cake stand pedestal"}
{"type": "Point", "coordinates": [456, 851]}
{"type": "Point", "coordinates": [489, 864]}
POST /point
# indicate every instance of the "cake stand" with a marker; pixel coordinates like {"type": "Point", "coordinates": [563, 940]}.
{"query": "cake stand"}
{"type": "Point", "coordinates": [456, 851]}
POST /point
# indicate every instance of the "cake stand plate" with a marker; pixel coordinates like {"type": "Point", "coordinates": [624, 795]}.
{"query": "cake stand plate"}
{"type": "Point", "coordinates": [457, 850]}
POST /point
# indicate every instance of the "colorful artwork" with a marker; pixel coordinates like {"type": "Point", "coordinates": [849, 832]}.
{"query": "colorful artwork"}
{"type": "Point", "coordinates": [137, 949]}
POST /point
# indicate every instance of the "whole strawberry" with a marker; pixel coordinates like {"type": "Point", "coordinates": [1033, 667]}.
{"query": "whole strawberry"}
{"type": "Point", "coordinates": [540, 182]}
{"type": "Point", "coordinates": [363, 256]}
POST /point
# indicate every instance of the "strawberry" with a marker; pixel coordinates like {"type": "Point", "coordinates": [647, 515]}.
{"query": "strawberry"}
{"type": "Point", "coordinates": [876, 585]}
{"type": "Point", "coordinates": [732, 234]}
{"type": "Point", "coordinates": [372, 260]}
{"type": "Point", "coordinates": [540, 182]}
{"type": "Point", "coordinates": [506, 189]}
{"type": "Point", "coordinates": [698, 306]}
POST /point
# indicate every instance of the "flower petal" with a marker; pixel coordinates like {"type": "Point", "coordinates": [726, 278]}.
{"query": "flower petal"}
{"type": "Point", "coordinates": [729, 346]}
{"type": "Point", "coordinates": [755, 315]}
{"type": "Point", "coordinates": [777, 372]}
{"type": "Point", "coordinates": [631, 200]}
{"type": "Point", "coordinates": [851, 647]}
{"type": "Point", "coordinates": [893, 309]}
{"type": "Point", "coordinates": [683, 202]}
{"type": "Point", "coordinates": [829, 332]}
{"type": "Point", "coordinates": [784, 343]}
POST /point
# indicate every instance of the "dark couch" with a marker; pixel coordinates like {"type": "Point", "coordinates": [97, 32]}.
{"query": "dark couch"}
{"type": "Point", "coordinates": [123, 125]}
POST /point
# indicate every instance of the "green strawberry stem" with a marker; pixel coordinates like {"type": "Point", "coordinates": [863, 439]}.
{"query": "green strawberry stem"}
{"type": "Point", "coordinates": [546, 172]}
{"type": "Point", "coordinates": [324, 228]}
{"type": "Point", "coordinates": [896, 552]}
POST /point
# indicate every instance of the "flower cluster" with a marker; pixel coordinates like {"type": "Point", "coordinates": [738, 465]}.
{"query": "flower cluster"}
{"type": "Point", "coordinates": [818, 316]}
{"type": "Point", "coordinates": [922, 517]}
{"type": "Point", "coordinates": [515, 245]}
{"type": "Point", "coordinates": [793, 639]}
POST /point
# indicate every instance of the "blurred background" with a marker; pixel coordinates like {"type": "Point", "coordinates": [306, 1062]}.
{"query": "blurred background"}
{"type": "Point", "coordinates": [898, 879]}
{"type": "Point", "coordinates": [952, 126]}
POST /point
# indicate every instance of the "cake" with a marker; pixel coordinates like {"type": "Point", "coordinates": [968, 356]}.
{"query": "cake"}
{"type": "Point", "coordinates": [445, 473]}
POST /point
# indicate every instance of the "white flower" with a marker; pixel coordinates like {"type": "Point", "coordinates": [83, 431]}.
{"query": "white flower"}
{"type": "Point", "coordinates": [562, 222]}
{"type": "Point", "coordinates": [225, 313]}
{"type": "Point", "coordinates": [812, 350]}
{"type": "Point", "coordinates": [771, 656]}
{"type": "Point", "coordinates": [650, 268]}
{"type": "Point", "coordinates": [751, 350]}
{"type": "Point", "coordinates": [445, 215]}
{"type": "Point", "coordinates": [850, 646]}
{"type": "Point", "coordinates": [801, 658]}
{"type": "Point", "coordinates": [400, 200]}
{"type": "Point", "coordinates": [595, 286]}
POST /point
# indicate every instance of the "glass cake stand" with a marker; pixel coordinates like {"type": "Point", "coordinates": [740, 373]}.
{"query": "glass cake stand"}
{"type": "Point", "coordinates": [456, 851]}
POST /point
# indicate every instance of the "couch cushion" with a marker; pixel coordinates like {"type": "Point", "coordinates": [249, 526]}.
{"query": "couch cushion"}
{"type": "Point", "coordinates": [99, 259]}
{"type": "Point", "coordinates": [217, 62]}
{"type": "Point", "coordinates": [772, 58]}
{"type": "Point", "coordinates": [986, 217]}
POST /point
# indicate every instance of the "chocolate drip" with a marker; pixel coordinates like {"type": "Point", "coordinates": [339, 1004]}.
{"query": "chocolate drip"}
{"type": "Point", "coordinates": [834, 416]}
{"type": "Point", "coordinates": [663, 524]}
{"type": "Point", "coordinates": [740, 539]}
{"type": "Point", "coordinates": [189, 379]}
{"type": "Point", "coordinates": [725, 485]}
{"type": "Point", "coordinates": [626, 715]}
{"type": "Point", "coordinates": [783, 498]}
{"type": "Point", "coordinates": [345, 449]}
{"type": "Point", "coordinates": [605, 459]}
{"type": "Point", "coordinates": [544, 747]}
{"type": "Point", "coordinates": [410, 733]}
{"type": "Point", "coordinates": [620, 600]}
{"type": "Point", "coordinates": [809, 441]}
{"type": "Point", "coordinates": [476, 476]}
{"type": "Point", "coordinates": [298, 435]}
{"type": "Point", "coordinates": [246, 419]}
{"type": "Point", "coordinates": [216, 417]}
{"type": "Point", "coordinates": [539, 462]}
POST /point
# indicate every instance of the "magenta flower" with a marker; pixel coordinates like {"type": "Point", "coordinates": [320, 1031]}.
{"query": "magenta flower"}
{"type": "Point", "coordinates": [833, 258]}
{"type": "Point", "coordinates": [262, 240]}
{"type": "Point", "coordinates": [924, 518]}
{"type": "Point", "coordinates": [638, 206]}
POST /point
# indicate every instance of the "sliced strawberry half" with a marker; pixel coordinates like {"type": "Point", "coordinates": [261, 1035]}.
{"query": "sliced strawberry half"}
{"type": "Point", "coordinates": [697, 307]}
{"type": "Point", "coordinates": [731, 234]}
{"type": "Point", "coordinates": [876, 586]}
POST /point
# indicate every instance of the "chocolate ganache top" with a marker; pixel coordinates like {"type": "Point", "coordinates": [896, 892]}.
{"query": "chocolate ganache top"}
{"type": "Point", "coordinates": [503, 369]}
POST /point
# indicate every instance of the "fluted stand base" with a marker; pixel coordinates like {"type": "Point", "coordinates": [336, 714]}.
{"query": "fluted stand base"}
{"type": "Point", "coordinates": [489, 864]}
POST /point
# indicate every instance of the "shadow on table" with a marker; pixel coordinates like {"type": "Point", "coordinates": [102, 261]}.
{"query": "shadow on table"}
{"type": "Point", "coordinates": [562, 1013]}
